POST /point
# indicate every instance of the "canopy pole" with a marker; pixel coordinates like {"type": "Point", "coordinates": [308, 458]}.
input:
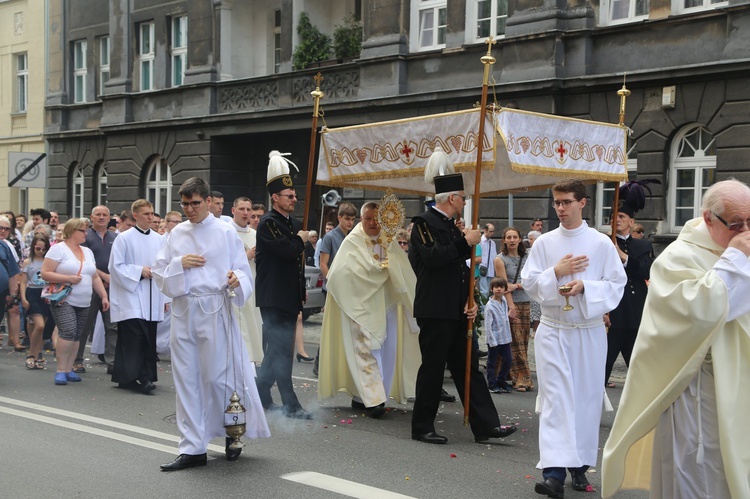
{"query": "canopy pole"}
{"type": "Point", "coordinates": [488, 61]}
{"type": "Point", "coordinates": [317, 94]}
{"type": "Point", "coordinates": [623, 93]}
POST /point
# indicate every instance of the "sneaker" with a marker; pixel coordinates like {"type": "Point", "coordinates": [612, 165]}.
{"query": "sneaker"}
{"type": "Point", "coordinates": [71, 376]}
{"type": "Point", "coordinates": [61, 379]}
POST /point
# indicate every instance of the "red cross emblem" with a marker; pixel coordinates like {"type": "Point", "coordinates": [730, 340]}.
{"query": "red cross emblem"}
{"type": "Point", "coordinates": [561, 150]}
{"type": "Point", "coordinates": [406, 151]}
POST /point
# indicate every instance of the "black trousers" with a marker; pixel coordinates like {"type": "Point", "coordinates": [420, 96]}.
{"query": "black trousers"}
{"type": "Point", "coordinates": [444, 341]}
{"type": "Point", "coordinates": [135, 357]}
{"type": "Point", "coordinates": [279, 328]}
{"type": "Point", "coordinates": [619, 340]}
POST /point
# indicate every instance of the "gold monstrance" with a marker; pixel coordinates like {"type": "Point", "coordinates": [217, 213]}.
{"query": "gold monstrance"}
{"type": "Point", "coordinates": [391, 216]}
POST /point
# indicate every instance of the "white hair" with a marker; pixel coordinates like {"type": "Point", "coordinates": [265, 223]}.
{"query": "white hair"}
{"type": "Point", "coordinates": [443, 196]}
{"type": "Point", "coordinates": [714, 197]}
{"type": "Point", "coordinates": [370, 205]}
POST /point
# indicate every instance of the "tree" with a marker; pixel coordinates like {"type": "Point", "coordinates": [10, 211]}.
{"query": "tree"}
{"type": "Point", "coordinates": [313, 45]}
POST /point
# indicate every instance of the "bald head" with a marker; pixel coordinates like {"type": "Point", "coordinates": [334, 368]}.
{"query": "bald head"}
{"type": "Point", "coordinates": [725, 207]}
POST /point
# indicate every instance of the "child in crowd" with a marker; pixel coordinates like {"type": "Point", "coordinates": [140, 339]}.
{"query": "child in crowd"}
{"type": "Point", "coordinates": [497, 329]}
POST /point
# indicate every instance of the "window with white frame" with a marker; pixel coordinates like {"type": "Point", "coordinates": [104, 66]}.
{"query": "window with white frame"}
{"type": "Point", "coordinates": [103, 63]}
{"type": "Point", "coordinates": [624, 11]}
{"type": "Point", "coordinates": [489, 17]}
{"type": "Point", "coordinates": [80, 71]}
{"type": "Point", "coordinates": [429, 24]}
{"type": "Point", "coordinates": [101, 183]}
{"type": "Point", "coordinates": [179, 49]}
{"type": "Point", "coordinates": [687, 6]}
{"type": "Point", "coordinates": [692, 171]}
{"type": "Point", "coordinates": [146, 55]}
{"type": "Point", "coordinates": [22, 82]}
{"type": "Point", "coordinates": [276, 40]}
{"type": "Point", "coordinates": [605, 193]}
{"type": "Point", "coordinates": [159, 185]}
{"type": "Point", "coordinates": [77, 191]}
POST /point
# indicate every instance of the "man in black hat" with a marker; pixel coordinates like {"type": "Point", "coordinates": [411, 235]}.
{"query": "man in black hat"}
{"type": "Point", "coordinates": [280, 262]}
{"type": "Point", "coordinates": [636, 255]}
{"type": "Point", "coordinates": [438, 251]}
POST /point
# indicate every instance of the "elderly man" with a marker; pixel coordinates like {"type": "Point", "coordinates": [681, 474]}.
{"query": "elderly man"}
{"type": "Point", "coordinates": [367, 338]}
{"type": "Point", "coordinates": [571, 343]}
{"type": "Point", "coordinates": [685, 398]}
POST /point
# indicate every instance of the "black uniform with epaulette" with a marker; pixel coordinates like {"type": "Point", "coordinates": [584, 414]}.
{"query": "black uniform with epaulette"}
{"type": "Point", "coordinates": [438, 253]}
{"type": "Point", "coordinates": [279, 293]}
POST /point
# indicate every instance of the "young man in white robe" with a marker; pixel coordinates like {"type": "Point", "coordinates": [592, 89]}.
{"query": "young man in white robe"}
{"type": "Point", "coordinates": [136, 304]}
{"type": "Point", "coordinates": [571, 345]}
{"type": "Point", "coordinates": [248, 314]}
{"type": "Point", "coordinates": [369, 341]}
{"type": "Point", "coordinates": [198, 265]}
{"type": "Point", "coordinates": [681, 428]}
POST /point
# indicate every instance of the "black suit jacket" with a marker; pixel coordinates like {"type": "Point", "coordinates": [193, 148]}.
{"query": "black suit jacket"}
{"type": "Point", "coordinates": [438, 253]}
{"type": "Point", "coordinates": [280, 261]}
{"type": "Point", "coordinates": [628, 313]}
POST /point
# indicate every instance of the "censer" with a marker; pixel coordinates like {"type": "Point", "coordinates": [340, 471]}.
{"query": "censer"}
{"type": "Point", "coordinates": [235, 422]}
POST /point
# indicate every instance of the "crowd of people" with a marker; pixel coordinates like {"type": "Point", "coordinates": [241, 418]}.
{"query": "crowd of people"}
{"type": "Point", "coordinates": [223, 297]}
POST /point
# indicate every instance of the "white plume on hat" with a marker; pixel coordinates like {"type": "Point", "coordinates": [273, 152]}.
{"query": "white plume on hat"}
{"type": "Point", "coordinates": [438, 164]}
{"type": "Point", "coordinates": [278, 165]}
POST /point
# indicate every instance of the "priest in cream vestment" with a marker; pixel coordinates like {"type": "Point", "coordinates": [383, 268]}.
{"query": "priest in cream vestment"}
{"type": "Point", "coordinates": [682, 426]}
{"type": "Point", "coordinates": [369, 345]}
{"type": "Point", "coordinates": [248, 315]}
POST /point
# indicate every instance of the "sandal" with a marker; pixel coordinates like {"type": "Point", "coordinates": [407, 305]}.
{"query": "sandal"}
{"type": "Point", "coordinates": [78, 368]}
{"type": "Point", "coordinates": [31, 362]}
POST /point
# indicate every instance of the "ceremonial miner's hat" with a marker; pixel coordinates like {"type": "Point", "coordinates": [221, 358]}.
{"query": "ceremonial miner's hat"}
{"type": "Point", "coordinates": [633, 196]}
{"type": "Point", "coordinates": [440, 172]}
{"type": "Point", "coordinates": [278, 177]}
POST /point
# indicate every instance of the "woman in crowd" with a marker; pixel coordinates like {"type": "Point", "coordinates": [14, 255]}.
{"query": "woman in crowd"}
{"type": "Point", "coordinates": [508, 264]}
{"type": "Point", "coordinates": [310, 247]}
{"type": "Point", "coordinates": [31, 296]}
{"type": "Point", "coordinates": [402, 237]}
{"type": "Point", "coordinates": [71, 263]}
{"type": "Point", "coordinates": [8, 236]}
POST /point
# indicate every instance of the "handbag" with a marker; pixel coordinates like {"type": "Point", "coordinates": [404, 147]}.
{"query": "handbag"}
{"type": "Point", "coordinates": [482, 269]}
{"type": "Point", "coordinates": [54, 293]}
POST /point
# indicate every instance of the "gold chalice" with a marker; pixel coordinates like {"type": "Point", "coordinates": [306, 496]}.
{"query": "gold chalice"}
{"type": "Point", "coordinates": [566, 289]}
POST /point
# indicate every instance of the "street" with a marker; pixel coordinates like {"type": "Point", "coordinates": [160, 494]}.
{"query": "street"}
{"type": "Point", "coordinates": [91, 438]}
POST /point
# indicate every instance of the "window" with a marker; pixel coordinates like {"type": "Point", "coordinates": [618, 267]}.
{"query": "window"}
{"type": "Point", "coordinates": [22, 82]}
{"type": "Point", "coordinates": [79, 71]}
{"type": "Point", "coordinates": [276, 41]}
{"type": "Point", "coordinates": [77, 192]}
{"type": "Point", "coordinates": [146, 56]}
{"type": "Point", "coordinates": [699, 5]}
{"type": "Point", "coordinates": [103, 64]}
{"type": "Point", "coordinates": [692, 171]}
{"type": "Point", "coordinates": [490, 19]}
{"type": "Point", "coordinates": [430, 23]}
{"type": "Point", "coordinates": [159, 186]}
{"type": "Point", "coordinates": [179, 49]}
{"type": "Point", "coordinates": [101, 182]}
{"type": "Point", "coordinates": [605, 192]}
{"type": "Point", "coordinates": [623, 11]}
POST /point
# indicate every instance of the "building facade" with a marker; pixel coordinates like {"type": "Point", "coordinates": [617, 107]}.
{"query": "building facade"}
{"type": "Point", "coordinates": [22, 92]}
{"type": "Point", "coordinates": [145, 94]}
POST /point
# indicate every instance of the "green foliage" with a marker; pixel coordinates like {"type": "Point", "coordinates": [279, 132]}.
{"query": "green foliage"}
{"type": "Point", "coordinates": [313, 45]}
{"type": "Point", "coordinates": [347, 38]}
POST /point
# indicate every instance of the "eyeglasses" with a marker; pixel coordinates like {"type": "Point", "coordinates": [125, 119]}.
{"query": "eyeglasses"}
{"type": "Point", "coordinates": [734, 226]}
{"type": "Point", "coordinates": [4, 228]}
{"type": "Point", "coordinates": [174, 221]}
{"type": "Point", "coordinates": [192, 204]}
{"type": "Point", "coordinates": [563, 203]}
{"type": "Point", "coordinates": [403, 243]}
{"type": "Point", "coordinates": [290, 196]}
{"type": "Point", "coordinates": [463, 198]}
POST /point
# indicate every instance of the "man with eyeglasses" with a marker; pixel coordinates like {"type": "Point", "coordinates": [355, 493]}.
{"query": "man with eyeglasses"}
{"type": "Point", "coordinates": [688, 375]}
{"type": "Point", "coordinates": [636, 255]}
{"type": "Point", "coordinates": [198, 265]}
{"type": "Point", "coordinates": [280, 262]}
{"type": "Point", "coordinates": [571, 343]}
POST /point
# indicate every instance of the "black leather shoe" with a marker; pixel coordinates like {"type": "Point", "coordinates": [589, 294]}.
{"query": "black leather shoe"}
{"type": "Point", "coordinates": [497, 432]}
{"type": "Point", "coordinates": [232, 454]}
{"type": "Point", "coordinates": [302, 358]}
{"type": "Point", "coordinates": [147, 387]}
{"type": "Point", "coordinates": [185, 461]}
{"type": "Point", "coordinates": [298, 414]}
{"type": "Point", "coordinates": [358, 405]}
{"type": "Point", "coordinates": [273, 407]}
{"type": "Point", "coordinates": [551, 487]}
{"type": "Point", "coordinates": [430, 438]}
{"type": "Point", "coordinates": [376, 412]}
{"type": "Point", "coordinates": [110, 368]}
{"type": "Point", "coordinates": [446, 397]}
{"type": "Point", "coordinates": [581, 483]}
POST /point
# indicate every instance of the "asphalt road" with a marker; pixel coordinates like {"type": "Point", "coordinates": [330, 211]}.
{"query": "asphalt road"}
{"type": "Point", "coordinates": [93, 439]}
